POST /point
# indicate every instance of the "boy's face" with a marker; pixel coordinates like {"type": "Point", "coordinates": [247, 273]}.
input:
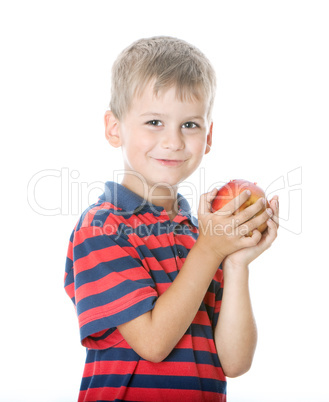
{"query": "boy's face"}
{"type": "Point", "coordinates": [163, 139]}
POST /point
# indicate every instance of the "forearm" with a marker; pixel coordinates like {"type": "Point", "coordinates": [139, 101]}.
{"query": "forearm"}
{"type": "Point", "coordinates": [236, 332]}
{"type": "Point", "coordinates": [161, 329]}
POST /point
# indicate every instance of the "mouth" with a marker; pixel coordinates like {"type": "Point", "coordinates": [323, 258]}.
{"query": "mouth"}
{"type": "Point", "coordinates": [170, 162]}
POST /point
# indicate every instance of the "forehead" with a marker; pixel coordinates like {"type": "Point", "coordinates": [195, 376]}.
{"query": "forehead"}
{"type": "Point", "coordinates": [183, 91]}
{"type": "Point", "coordinates": [168, 101]}
{"type": "Point", "coordinates": [151, 94]}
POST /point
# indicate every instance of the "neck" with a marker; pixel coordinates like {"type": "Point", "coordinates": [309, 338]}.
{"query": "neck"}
{"type": "Point", "coordinates": [165, 197]}
{"type": "Point", "coordinates": [162, 196]}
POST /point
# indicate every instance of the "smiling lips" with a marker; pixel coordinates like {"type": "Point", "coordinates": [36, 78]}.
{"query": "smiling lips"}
{"type": "Point", "coordinates": [170, 162]}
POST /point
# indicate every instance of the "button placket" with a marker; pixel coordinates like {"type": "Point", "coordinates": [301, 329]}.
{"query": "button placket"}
{"type": "Point", "coordinates": [177, 229]}
{"type": "Point", "coordinates": [180, 253]}
{"type": "Point", "coordinates": [174, 232]}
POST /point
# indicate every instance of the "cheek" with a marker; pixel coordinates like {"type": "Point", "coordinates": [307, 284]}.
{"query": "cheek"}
{"type": "Point", "coordinates": [137, 141]}
{"type": "Point", "coordinates": [198, 146]}
{"type": "Point", "coordinates": [145, 142]}
{"type": "Point", "coordinates": [138, 147]}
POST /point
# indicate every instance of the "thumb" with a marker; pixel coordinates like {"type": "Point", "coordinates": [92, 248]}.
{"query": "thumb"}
{"type": "Point", "coordinates": [206, 200]}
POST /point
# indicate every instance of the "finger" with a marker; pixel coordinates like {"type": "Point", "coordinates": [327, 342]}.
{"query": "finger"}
{"type": "Point", "coordinates": [272, 227]}
{"type": "Point", "coordinates": [264, 240]}
{"type": "Point", "coordinates": [234, 204]}
{"type": "Point", "coordinates": [253, 240]}
{"type": "Point", "coordinates": [274, 204]}
{"type": "Point", "coordinates": [272, 231]}
{"type": "Point", "coordinates": [255, 222]}
{"type": "Point", "coordinates": [206, 201]}
{"type": "Point", "coordinates": [248, 213]}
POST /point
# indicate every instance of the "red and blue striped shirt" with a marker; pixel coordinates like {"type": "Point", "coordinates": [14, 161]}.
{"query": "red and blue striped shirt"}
{"type": "Point", "coordinates": [123, 254]}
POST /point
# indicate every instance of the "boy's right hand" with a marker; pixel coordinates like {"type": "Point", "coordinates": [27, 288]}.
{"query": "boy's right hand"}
{"type": "Point", "coordinates": [223, 232]}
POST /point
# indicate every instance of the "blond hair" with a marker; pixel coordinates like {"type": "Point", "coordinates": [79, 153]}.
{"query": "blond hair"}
{"type": "Point", "coordinates": [169, 62]}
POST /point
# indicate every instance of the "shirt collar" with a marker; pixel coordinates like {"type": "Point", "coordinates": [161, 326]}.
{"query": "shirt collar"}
{"type": "Point", "coordinates": [129, 202]}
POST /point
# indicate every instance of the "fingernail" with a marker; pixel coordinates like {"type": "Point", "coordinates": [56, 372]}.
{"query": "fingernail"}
{"type": "Point", "coordinates": [263, 201]}
{"type": "Point", "coordinates": [269, 211]}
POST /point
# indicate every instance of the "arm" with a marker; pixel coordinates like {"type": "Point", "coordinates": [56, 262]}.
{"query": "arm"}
{"type": "Point", "coordinates": [154, 334]}
{"type": "Point", "coordinates": [236, 333]}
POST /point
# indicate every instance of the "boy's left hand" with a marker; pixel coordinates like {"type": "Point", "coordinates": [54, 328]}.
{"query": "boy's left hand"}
{"type": "Point", "coordinates": [245, 256]}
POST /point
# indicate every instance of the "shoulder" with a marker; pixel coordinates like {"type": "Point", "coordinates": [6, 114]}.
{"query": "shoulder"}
{"type": "Point", "coordinates": [98, 214]}
{"type": "Point", "coordinates": [102, 225]}
{"type": "Point", "coordinates": [116, 205]}
{"type": "Point", "coordinates": [99, 236]}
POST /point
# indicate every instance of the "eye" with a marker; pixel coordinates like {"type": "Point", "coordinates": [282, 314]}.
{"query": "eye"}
{"type": "Point", "coordinates": [155, 123]}
{"type": "Point", "coordinates": [190, 124]}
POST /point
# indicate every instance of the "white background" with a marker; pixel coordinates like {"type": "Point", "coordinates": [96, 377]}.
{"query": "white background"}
{"type": "Point", "coordinates": [270, 126]}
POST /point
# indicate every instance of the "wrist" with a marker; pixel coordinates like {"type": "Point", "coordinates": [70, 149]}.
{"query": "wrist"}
{"type": "Point", "coordinates": [208, 253]}
{"type": "Point", "coordinates": [230, 268]}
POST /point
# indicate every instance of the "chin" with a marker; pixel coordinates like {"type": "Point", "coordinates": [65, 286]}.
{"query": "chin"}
{"type": "Point", "coordinates": [164, 184]}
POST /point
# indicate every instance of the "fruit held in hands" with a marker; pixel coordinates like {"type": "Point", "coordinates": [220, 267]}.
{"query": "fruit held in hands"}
{"type": "Point", "coordinates": [232, 189]}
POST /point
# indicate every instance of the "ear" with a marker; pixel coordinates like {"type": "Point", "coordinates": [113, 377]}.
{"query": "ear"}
{"type": "Point", "coordinates": [112, 129]}
{"type": "Point", "coordinates": [209, 139]}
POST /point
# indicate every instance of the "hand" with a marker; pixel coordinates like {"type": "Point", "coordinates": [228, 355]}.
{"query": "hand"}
{"type": "Point", "coordinates": [245, 256]}
{"type": "Point", "coordinates": [224, 232]}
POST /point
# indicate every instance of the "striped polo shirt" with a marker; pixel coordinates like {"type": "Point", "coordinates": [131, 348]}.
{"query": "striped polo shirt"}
{"type": "Point", "coordinates": [123, 254]}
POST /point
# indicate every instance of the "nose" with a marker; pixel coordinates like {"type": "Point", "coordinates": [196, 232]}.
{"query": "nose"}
{"type": "Point", "coordinates": [173, 139]}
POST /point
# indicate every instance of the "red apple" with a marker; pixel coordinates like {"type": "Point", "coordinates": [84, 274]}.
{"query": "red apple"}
{"type": "Point", "coordinates": [232, 189]}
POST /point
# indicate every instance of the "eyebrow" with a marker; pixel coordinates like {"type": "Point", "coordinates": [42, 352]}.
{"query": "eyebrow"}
{"type": "Point", "coordinates": [196, 118]}
{"type": "Point", "coordinates": [154, 114]}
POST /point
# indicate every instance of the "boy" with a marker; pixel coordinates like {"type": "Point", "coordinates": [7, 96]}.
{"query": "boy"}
{"type": "Point", "coordinates": [145, 276]}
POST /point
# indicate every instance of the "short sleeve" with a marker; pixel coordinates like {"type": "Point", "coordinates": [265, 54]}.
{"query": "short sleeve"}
{"type": "Point", "coordinates": [111, 285]}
